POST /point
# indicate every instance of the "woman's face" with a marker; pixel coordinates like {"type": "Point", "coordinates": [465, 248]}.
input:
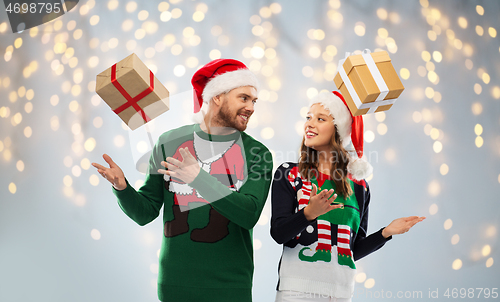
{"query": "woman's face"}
{"type": "Point", "coordinates": [319, 128]}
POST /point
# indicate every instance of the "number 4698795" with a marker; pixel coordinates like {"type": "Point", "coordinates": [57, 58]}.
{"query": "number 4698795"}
{"type": "Point", "coordinates": [477, 292]}
{"type": "Point", "coordinates": [33, 8]}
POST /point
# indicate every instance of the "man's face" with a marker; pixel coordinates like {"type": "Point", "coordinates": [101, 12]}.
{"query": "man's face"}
{"type": "Point", "coordinates": [236, 107]}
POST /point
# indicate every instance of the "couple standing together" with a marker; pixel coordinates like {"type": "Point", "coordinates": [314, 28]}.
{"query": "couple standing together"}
{"type": "Point", "coordinates": [212, 180]}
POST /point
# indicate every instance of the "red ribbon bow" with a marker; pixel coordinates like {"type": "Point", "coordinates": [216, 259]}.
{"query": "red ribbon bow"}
{"type": "Point", "coordinates": [132, 101]}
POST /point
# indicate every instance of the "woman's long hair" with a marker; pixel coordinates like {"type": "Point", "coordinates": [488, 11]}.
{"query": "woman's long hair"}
{"type": "Point", "coordinates": [309, 160]}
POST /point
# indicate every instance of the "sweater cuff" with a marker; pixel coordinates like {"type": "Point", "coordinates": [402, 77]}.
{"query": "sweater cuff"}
{"type": "Point", "coordinates": [381, 237]}
{"type": "Point", "coordinates": [209, 187]}
{"type": "Point", "coordinates": [119, 193]}
{"type": "Point", "coordinates": [301, 221]}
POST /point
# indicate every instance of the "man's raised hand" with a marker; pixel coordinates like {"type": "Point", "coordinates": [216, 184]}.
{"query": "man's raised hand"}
{"type": "Point", "coordinates": [113, 174]}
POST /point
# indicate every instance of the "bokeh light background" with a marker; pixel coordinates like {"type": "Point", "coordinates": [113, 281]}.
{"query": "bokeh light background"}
{"type": "Point", "coordinates": [436, 153]}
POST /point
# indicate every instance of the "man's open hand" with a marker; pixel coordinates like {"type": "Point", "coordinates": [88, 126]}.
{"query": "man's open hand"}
{"type": "Point", "coordinates": [185, 170]}
{"type": "Point", "coordinates": [113, 174]}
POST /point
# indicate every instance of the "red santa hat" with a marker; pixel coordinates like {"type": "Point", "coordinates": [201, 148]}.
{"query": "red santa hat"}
{"type": "Point", "coordinates": [350, 129]}
{"type": "Point", "coordinates": [217, 77]}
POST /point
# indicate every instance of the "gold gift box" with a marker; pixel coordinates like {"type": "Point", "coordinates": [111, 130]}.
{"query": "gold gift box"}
{"type": "Point", "coordinates": [364, 84]}
{"type": "Point", "coordinates": [132, 91]}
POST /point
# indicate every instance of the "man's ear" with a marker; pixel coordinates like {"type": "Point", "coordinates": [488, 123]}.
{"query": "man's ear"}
{"type": "Point", "coordinates": [218, 100]}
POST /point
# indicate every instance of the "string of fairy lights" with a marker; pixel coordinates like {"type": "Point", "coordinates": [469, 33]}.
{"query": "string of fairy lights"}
{"type": "Point", "coordinates": [60, 41]}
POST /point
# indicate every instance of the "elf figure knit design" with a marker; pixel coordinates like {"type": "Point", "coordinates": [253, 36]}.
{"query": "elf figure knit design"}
{"type": "Point", "coordinates": [324, 222]}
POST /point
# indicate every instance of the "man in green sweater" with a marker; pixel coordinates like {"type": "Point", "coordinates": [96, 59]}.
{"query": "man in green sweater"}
{"type": "Point", "coordinates": [212, 180]}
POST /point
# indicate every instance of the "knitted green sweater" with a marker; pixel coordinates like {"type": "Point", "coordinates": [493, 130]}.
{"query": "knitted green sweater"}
{"type": "Point", "coordinates": [207, 247]}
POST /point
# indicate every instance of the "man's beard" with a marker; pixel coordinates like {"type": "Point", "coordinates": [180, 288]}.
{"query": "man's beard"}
{"type": "Point", "coordinates": [226, 119]}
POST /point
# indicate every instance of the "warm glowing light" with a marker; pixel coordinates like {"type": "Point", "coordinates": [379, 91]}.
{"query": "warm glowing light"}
{"type": "Point", "coordinates": [455, 239]}
{"type": "Point", "coordinates": [426, 56]}
{"type": "Point", "coordinates": [360, 29]}
{"type": "Point", "coordinates": [493, 32]}
{"type": "Point", "coordinates": [275, 8]}
{"type": "Point", "coordinates": [265, 12]}
{"type": "Point", "coordinates": [382, 14]}
{"type": "Point", "coordinates": [90, 144]}
{"type": "Point", "coordinates": [370, 283]}
{"type": "Point", "coordinates": [495, 92]}
{"type": "Point", "coordinates": [73, 106]}
{"type": "Point", "coordinates": [390, 154]}
{"type": "Point", "coordinates": [479, 30]}
{"type": "Point", "coordinates": [314, 51]}
{"type": "Point", "coordinates": [20, 165]}
{"type": "Point", "coordinates": [429, 92]}
{"type": "Point", "coordinates": [437, 146]}
{"type": "Point", "coordinates": [94, 180]}
{"type": "Point", "coordinates": [479, 10]}
{"type": "Point", "coordinates": [27, 132]}
{"type": "Point", "coordinates": [360, 277]}
{"type": "Point", "coordinates": [176, 49]}
{"type": "Point", "coordinates": [119, 141]}
{"type": "Point", "coordinates": [215, 54]}
{"type": "Point", "coordinates": [404, 73]}
{"type": "Point", "coordinates": [491, 231]}
{"type": "Point", "coordinates": [444, 169]}
{"type": "Point", "coordinates": [478, 129]}
{"type": "Point", "coordinates": [369, 136]}
{"type": "Point", "coordinates": [198, 16]}
{"type": "Point", "coordinates": [267, 133]}
{"type": "Point", "coordinates": [479, 142]}
{"type": "Point", "coordinates": [457, 264]}
{"type": "Point", "coordinates": [76, 171]}
{"type": "Point", "coordinates": [179, 70]}
{"type": "Point", "coordinates": [113, 4]}
{"type": "Point", "coordinates": [437, 56]}
{"type": "Point", "coordinates": [165, 16]}
{"type": "Point", "coordinates": [85, 163]}
{"type": "Point", "coordinates": [434, 188]}
{"type": "Point", "coordinates": [486, 78]}
{"type": "Point", "coordinates": [434, 133]}
{"type": "Point", "coordinates": [95, 234]}
{"type": "Point", "coordinates": [68, 181]}
{"type": "Point", "coordinates": [417, 117]}
{"type": "Point", "coordinates": [94, 20]}
{"type": "Point", "coordinates": [462, 22]}
{"type": "Point", "coordinates": [382, 129]}
{"type": "Point", "coordinates": [486, 250]}
{"type": "Point", "coordinates": [176, 13]}
{"type": "Point", "coordinates": [12, 188]}
{"type": "Point", "coordinates": [437, 97]}
{"type": "Point", "coordinates": [448, 224]}
{"type": "Point", "coordinates": [489, 262]}
{"type": "Point", "coordinates": [18, 42]}
{"type": "Point", "coordinates": [433, 209]}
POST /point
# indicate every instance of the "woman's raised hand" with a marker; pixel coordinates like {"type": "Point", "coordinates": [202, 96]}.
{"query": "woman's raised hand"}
{"type": "Point", "coordinates": [320, 203]}
{"type": "Point", "coordinates": [401, 225]}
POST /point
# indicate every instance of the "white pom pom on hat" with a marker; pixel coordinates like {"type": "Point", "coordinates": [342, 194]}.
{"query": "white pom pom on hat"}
{"type": "Point", "coordinates": [217, 77]}
{"type": "Point", "coordinates": [350, 129]}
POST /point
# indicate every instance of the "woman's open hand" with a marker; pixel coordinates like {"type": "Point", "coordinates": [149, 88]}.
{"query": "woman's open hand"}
{"type": "Point", "coordinates": [320, 204]}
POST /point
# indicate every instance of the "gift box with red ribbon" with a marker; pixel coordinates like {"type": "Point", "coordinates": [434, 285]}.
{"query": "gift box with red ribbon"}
{"type": "Point", "coordinates": [132, 91]}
